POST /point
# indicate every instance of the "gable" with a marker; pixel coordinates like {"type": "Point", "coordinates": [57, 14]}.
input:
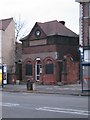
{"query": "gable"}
{"type": "Point", "coordinates": [37, 33]}
{"type": "Point", "coordinates": [4, 23]}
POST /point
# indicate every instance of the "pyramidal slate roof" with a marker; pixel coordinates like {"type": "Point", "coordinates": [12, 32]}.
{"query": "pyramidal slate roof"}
{"type": "Point", "coordinates": [53, 28]}
{"type": "Point", "coordinates": [4, 23]}
{"type": "Point", "coordinates": [56, 28]}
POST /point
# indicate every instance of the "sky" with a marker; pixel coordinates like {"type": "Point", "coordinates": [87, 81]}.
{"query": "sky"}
{"type": "Point", "coordinates": [32, 11]}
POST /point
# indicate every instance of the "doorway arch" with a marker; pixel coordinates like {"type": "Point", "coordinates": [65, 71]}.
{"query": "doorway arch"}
{"type": "Point", "coordinates": [38, 69]}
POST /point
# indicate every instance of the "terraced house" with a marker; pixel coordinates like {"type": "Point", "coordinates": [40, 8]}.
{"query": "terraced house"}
{"type": "Point", "coordinates": [50, 54]}
{"type": "Point", "coordinates": [84, 20]}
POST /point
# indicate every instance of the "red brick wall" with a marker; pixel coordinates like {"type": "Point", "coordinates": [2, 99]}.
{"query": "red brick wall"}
{"type": "Point", "coordinates": [85, 9]}
{"type": "Point", "coordinates": [38, 49]}
{"type": "Point", "coordinates": [24, 67]}
{"type": "Point", "coordinates": [50, 78]}
{"type": "Point", "coordinates": [85, 31]}
{"type": "Point", "coordinates": [71, 75]}
{"type": "Point", "coordinates": [44, 78]}
{"type": "Point", "coordinates": [86, 23]}
{"type": "Point", "coordinates": [72, 72]}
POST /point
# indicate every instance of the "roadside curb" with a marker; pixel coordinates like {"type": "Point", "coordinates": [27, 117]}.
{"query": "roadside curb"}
{"type": "Point", "coordinates": [45, 92]}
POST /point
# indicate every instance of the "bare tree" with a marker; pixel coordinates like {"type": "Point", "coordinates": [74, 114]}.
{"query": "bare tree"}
{"type": "Point", "coordinates": [19, 27]}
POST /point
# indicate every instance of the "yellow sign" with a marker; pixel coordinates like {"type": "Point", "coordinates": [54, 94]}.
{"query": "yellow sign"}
{"type": "Point", "coordinates": [0, 78]}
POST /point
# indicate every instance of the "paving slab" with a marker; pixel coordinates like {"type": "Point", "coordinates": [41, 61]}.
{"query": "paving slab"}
{"type": "Point", "coordinates": [75, 89]}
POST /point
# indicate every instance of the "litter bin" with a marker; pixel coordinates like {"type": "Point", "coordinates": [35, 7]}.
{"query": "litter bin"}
{"type": "Point", "coordinates": [30, 85]}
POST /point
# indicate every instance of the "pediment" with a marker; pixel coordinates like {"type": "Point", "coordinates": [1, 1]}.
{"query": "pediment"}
{"type": "Point", "coordinates": [36, 33]}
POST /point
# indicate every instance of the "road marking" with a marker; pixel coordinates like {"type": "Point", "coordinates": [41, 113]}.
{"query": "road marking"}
{"type": "Point", "coordinates": [64, 110]}
{"type": "Point", "coordinates": [9, 104]}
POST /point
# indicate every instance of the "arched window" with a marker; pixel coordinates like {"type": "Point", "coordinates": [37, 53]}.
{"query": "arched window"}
{"type": "Point", "coordinates": [49, 67]}
{"type": "Point", "coordinates": [29, 68]}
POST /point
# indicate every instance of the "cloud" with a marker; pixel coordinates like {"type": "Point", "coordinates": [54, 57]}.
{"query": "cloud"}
{"type": "Point", "coordinates": [42, 10]}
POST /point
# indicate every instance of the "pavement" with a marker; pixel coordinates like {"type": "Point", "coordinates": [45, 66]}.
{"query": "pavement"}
{"type": "Point", "coordinates": [73, 89]}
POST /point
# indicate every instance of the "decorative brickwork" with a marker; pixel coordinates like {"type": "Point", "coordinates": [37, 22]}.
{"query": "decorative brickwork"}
{"type": "Point", "coordinates": [46, 52]}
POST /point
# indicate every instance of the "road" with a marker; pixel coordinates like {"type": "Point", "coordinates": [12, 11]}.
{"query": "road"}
{"type": "Point", "coordinates": [32, 105]}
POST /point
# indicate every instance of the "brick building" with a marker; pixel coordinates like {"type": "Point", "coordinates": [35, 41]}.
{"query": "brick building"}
{"type": "Point", "coordinates": [50, 54]}
{"type": "Point", "coordinates": [84, 20]}
{"type": "Point", "coordinates": [84, 37]}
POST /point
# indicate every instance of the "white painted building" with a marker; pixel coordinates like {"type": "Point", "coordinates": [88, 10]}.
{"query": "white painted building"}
{"type": "Point", "coordinates": [7, 43]}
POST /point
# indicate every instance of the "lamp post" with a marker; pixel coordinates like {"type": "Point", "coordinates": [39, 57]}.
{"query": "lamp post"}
{"type": "Point", "coordinates": [81, 69]}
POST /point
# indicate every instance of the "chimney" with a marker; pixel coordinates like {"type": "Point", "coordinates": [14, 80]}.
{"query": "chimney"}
{"type": "Point", "coordinates": [62, 22]}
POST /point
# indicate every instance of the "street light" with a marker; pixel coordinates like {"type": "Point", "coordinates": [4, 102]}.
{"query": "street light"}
{"type": "Point", "coordinates": [81, 67]}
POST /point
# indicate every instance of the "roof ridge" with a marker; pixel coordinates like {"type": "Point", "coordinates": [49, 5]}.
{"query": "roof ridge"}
{"type": "Point", "coordinates": [47, 22]}
{"type": "Point", "coordinates": [6, 19]}
{"type": "Point", "coordinates": [56, 28]}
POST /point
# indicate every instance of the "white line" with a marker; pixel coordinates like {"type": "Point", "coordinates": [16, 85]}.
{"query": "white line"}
{"type": "Point", "coordinates": [65, 109]}
{"type": "Point", "coordinates": [9, 104]}
{"type": "Point", "coordinates": [62, 110]}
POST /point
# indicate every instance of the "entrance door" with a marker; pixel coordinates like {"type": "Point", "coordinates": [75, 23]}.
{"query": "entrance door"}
{"type": "Point", "coordinates": [38, 70]}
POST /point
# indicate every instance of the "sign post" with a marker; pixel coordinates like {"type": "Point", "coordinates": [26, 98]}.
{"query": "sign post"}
{"type": "Point", "coordinates": [3, 74]}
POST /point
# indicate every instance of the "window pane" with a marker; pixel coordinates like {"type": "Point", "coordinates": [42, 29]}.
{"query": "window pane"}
{"type": "Point", "coordinates": [38, 69]}
{"type": "Point", "coordinates": [28, 69]}
{"type": "Point", "coordinates": [38, 77]}
{"type": "Point", "coordinates": [49, 68]}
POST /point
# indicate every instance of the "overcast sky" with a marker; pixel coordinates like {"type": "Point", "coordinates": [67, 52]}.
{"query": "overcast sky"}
{"type": "Point", "coordinates": [32, 11]}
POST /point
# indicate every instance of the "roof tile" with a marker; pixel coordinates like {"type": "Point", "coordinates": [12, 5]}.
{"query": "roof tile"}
{"type": "Point", "coordinates": [56, 28]}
